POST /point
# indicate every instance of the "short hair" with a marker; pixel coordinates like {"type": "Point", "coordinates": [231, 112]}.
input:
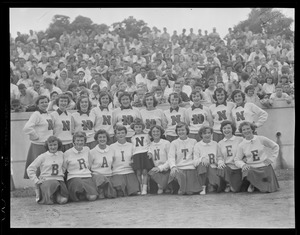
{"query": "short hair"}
{"type": "Point", "coordinates": [226, 122]}
{"type": "Point", "coordinates": [21, 86]}
{"type": "Point", "coordinates": [104, 93]}
{"type": "Point", "coordinates": [279, 86]}
{"type": "Point", "coordinates": [52, 139]}
{"type": "Point", "coordinates": [35, 81]}
{"type": "Point", "coordinates": [48, 80]}
{"type": "Point", "coordinates": [137, 122]}
{"type": "Point", "coordinates": [198, 84]}
{"type": "Point", "coordinates": [244, 76]}
{"type": "Point", "coordinates": [125, 93]}
{"type": "Point", "coordinates": [72, 85]}
{"type": "Point", "coordinates": [79, 134]}
{"type": "Point", "coordinates": [175, 96]}
{"type": "Point", "coordinates": [120, 128]}
{"type": "Point", "coordinates": [162, 131]}
{"type": "Point", "coordinates": [270, 77]}
{"type": "Point", "coordinates": [182, 124]}
{"type": "Point", "coordinates": [211, 79]}
{"type": "Point", "coordinates": [82, 84]}
{"type": "Point", "coordinates": [219, 90]}
{"type": "Point", "coordinates": [62, 96]}
{"type": "Point", "coordinates": [80, 98]}
{"type": "Point", "coordinates": [102, 131]}
{"type": "Point", "coordinates": [148, 94]}
{"type": "Point", "coordinates": [96, 85]}
{"type": "Point", "coordinates": [53, 92]}
{"type": "Point", "coordinates": [203, 129]}
{"type": "Point", "coordinates": [194, 92]}
{"type": "Point", "coordinates": [236, 92]}
{"type": "Point", "coordinates": [253, 128]}
{"type": "Point", "coordinates": [249, 87]}
{"type": "Point", "coordinates": [41, 97]}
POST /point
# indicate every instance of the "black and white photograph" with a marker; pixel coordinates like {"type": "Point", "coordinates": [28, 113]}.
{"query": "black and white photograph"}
{"type": "Point", "coordinates": [152, 117]}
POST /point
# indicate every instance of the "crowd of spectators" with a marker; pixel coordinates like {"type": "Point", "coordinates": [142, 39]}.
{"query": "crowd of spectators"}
{"type": "Point", "coordinates": [260, 65]}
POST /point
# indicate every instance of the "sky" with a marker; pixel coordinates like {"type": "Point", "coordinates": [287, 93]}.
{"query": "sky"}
{"type": "Point", "coordinates": [24, 19]}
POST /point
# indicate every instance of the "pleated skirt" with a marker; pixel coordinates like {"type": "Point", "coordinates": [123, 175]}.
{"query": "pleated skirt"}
{"type": "Point", "coordinates": [161, 178]}
{"type": "Point", "coordinates": [209, 175]}
{"type": "Point", "coordinates": [187, 180]}
{"type": "Point", "coordinates": [49, 189]}
{"type": "Point", "coordinates": [77, 186]}
{"type": "Point", "coordinates": [104, 183]}
{"type": "Point", "coordinates": [34, 151]}
{"type": "Point", "coordinates": [127, 183]}
{"type": "Point", "coordinates": [262, 178]}
{"type": "Point", "coordinates": [231, 176]}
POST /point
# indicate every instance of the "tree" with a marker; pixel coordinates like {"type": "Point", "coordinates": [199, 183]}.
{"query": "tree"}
{"type": "Point", "coordinates": [129, 27]}
{"type": "Point", "coordinates": [59, 24]}
{"type": "Point", "coordinates": [82, 23]}
{"type": "Point", "coordinates": [269, 20]}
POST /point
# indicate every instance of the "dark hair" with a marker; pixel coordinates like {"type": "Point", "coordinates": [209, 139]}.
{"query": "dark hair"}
{"type": "Point", "coordinates": [104, 93]}
{"type": "Point", "coordinates": [203, 129]}
{"type": "Point", "coordinates": [80, 98]}
{"type": "Point", "coordinates": [270, 77]}
{"type": "Point", "coordinates": [166, 80]}
{"type": "Point", "coordinates": [194, 92]}
{"type": "Point", "coordinates": [72, 85]}
{"type": "Point", "coordinates": [198, 84]}
{"type": "Point", "coordinates": [79, 134]}
{"type": "Point", "coordinates": [249, 87]}
{"type": "Point", "coordinates": [26, 73]}
{"type": "Point", "coordinates": [41, 97]}
{"type": "Point", "coordinates": [162, 131]}
{"type": "Point", "coordinates": [253, 128]}
{"type": "Point", "coordinates": [62, 96]}
{"type": "Point", "coordinates": [182, 124]}
{"type": "Point", "coordinates": [51, 139]}
{"type": "Point", "coordinates": [236, 92]}
{"type": "Point", "coordinates": [120, 128]}
{"type": "Point", "coordinates": [95, 85]}
{"type": "Point", "coordinates": [148, 94]}
{"type": "Point", "coordinates": [125, 93]}
{"type": "Point", "coordinates": [138, 122]}
{"type": "Point", "coordinates": [53, 92]}
{"type": "Point", "coordinates": [175, 96]}
{"type": "Point", "coordinates": [48, 80]}
{"type": "Point", "coordinates": [226, 122]}
{"type": "Point", "coordinates": [220, 90]}
{"type": "Point", "coordinates": [101, 131]}
{"type": "Point", "coordinates": [244, 76]}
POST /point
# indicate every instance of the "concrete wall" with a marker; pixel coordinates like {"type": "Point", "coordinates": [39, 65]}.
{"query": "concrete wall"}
{"type": "Point", "coordinates": [281, 119]}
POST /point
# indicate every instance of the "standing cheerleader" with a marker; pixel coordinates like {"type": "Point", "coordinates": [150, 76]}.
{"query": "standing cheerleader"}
{"type": "Point", "coordinates": [62, 122]}
{"type": "Point", "coordinates": [101, 165]}
{"type": "Point", "coordinates": [124, 180]}
{"type": "Point", "coordinates": [83, 120]}
{"type": "Point", "coordinates": [256, 166]}
{"type": "Point", "coordinates": [220, 111]}
{"type": "Point", "coordinates": [159, 150]}
{"type": "Point", "coordinates": [141, 162]}
{"type": "Point", "coordinates": [197, 115]}
{"type": "Point", "coordinates": [77, 162]}
{"type": "Point", "coordinates": [39, 127]}
{"type": "Point", "coordinates": [181, 162]}
{"type": "Point", "coordinates": [50, 183]}
{"type": "Point", "coordinates": [228, 147]}
{"type": "Point", "coordinates": [173, 116]}
{"type": "Point", "coordinates": [207, 160]}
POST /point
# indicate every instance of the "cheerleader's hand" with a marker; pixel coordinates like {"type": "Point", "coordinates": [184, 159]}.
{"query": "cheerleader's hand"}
{"type": "Point", "coordinates": [155, 169]}
{"type": "Point", "coordinates": [267, 162]}
{"type": "Point", "coordinates": [150, 155]}
{"type": "Point", "coordinates": [222, 166]}
{"type": "Point", "coordinates": [245, 167]}
{"type": "Point", "coordinates": [173, 171]}
{"type": "Point", "coordinates": [204, 162]}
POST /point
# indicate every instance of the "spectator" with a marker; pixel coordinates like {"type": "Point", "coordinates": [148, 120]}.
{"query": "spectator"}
{"type": "Point", "coordinates": [279, 95]}
{"type": "Point", "coordinates": [63, 81]}
{"type": "Point", "coordinates": [49, 87]}
{"type": "Point", "coordinates": [27, 97]}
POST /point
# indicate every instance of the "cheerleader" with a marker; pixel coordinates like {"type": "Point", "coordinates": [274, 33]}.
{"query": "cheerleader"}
{"type": "Point", "coordinates": [228, 147]}
{"type": "Point", "coordinates": [207, 160]}
{"type": "Point", "coordinates": [83, 120]}
{"type": "Point", "coordinates": [159, 150]}
{"type": "Point", "coordinates": [124, 180]}
{"type": "Point", "coordinates": [125, 114]}
{"type": "Point", "coordinates": [244, 111]}
{"type": "Point", "coordinates": [103, 115]}
{"type": "Point", "coordinates": [181, 162]}
{"type": "Point", "coordinates": [141, 162]}
{"type": "Point", "coordinates": [197, 115]}
{"type": "Point", "coordinates": [77, 162]}
{"type": "Point", "coordinates": [256, 166]}
{"type": "Point", "coordinates": [173, 116]}
{"type": "Point", "coordinates": [151, 115]}
{"type": "Point", "coordinates": [101, 165]}
{"type": "Point", "coordinates": [220, 111]}
{"type": "Point", "coordinates": [50, 184]}
{"type": "Point", "coordinates": [62, 122]}
{"type": "Point", "coordinates": [39, 127]}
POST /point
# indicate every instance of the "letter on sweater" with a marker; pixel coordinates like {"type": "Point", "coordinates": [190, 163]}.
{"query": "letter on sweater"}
{"type": "Point", "coordinates": [150, 123]}
{"type": "Point", "coordinates": [50, 124]}
{"type": "Point", "coordinates": [175, 119]}
{"type": "Point", "coordinates": [184, 151]}
{"type": "Point", "coordinates": [198, 119]}
{"type": "Point", "coordinates": [156, 154]}
{"type": "Point", "coordinates": [122, 152]}
{"type": "Point", "coordinates": [211, 158]}
{"type": "Point", "coordinates": [54, 169]}
{"type": "Point", "coordinates": [104, 163]}
{"type": "Point", "coordinates": [127, 120]}
{"type": "Point", "coordinates": [81, 162]}
{"type": "Point", "coordinates": [222, 115]}
{"type": "Point", "coordinates": [140, 142]}
{"type": "Point", "coordinates": [240, 116]}
{"type": "Point", "coordinates": [255, 155]}
{"type": "Point", "coordinates": [66, 125]}
{"type": "Point", "coordinates": [228, 149]}
{"type": "Point", "coordinates": [106, 120]}
{"type": "Point", "coordinates": [87, 124]}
